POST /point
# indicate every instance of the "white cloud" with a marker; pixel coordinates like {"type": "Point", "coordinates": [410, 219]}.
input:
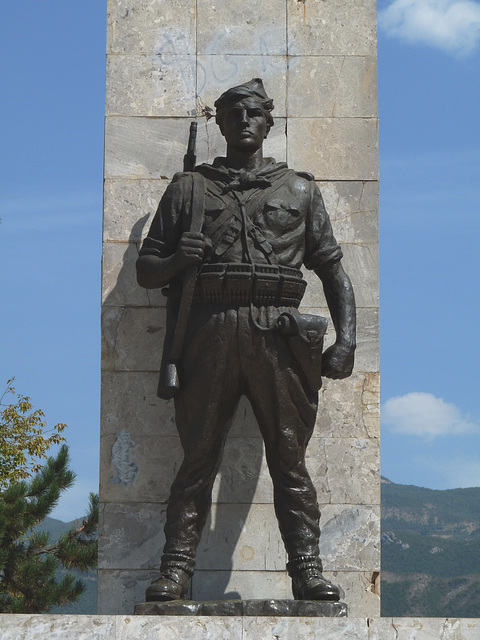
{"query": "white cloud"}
{"type": "Point", "coordinates": [425, 415]}
{"type": "Point", "coordinates": [451, 25]}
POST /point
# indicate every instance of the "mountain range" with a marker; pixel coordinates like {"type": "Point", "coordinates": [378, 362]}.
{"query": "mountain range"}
{"type": "Point", "coordinates": [430, 551]}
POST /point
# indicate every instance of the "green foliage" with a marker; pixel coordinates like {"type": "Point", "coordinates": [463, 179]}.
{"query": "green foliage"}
{"type": "Point", "coordinates": [394, 600]}
{"type": "Point", "coordinates": [24, 439]}
{"type": "Point", "coordinates": [430, 511]}
{"type": "Point", "coordinates": [453, 557]}
{"type": "Point", "coordinates": [417, 595]}
{"type": "Point", "coordinates": [29, 560]}
{"type": "Point", "coordinates": [87, 603]}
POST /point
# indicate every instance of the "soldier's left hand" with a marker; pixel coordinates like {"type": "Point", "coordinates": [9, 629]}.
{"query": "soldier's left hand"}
{"type": "Point", "coordinates": [337, 361]}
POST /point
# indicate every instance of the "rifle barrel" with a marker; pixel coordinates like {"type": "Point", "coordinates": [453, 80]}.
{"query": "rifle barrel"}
{"type": "Point", "coordinates": [189, 158]}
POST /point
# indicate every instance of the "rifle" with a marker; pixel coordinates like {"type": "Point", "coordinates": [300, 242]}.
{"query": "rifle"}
{"type": "Point", "coordinates": [169, 382]}
{"type": "Point", "coordinates": [189, 159]}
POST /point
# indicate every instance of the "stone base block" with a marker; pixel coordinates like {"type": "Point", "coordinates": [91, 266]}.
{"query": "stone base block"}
{"type": "Point", "coordinates": [277, 608]}
{"type": "Point", "coordinates": [86, 627]}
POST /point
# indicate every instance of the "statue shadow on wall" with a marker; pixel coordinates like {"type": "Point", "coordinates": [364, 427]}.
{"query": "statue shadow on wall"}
{"type": "Point", "coordinates": [237, 480]}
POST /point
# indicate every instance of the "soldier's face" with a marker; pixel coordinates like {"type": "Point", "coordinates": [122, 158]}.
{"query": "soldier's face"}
{"type": "Point", "coordinates": [244, 125]}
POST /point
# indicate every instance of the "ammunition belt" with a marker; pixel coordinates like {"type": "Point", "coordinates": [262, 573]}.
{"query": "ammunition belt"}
{"type": "Point", "coordinates": [261, 285]}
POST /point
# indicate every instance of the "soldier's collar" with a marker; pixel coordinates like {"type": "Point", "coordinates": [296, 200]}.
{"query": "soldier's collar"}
{"type": "Point", "coordinates": [240, 179]}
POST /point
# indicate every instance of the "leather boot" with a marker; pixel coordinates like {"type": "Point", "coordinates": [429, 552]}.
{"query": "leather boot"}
{"type": "Point", "coordinates": [171, 585]}
{"type": "Point", "coordinates": [311, 584]}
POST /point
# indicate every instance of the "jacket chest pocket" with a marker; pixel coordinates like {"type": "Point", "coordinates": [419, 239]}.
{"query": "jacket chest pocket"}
{"type": "Point", "coordinates": [280, 215]}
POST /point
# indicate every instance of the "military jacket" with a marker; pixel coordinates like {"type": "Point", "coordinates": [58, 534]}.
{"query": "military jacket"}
{"type": "Point", "coordinates": [270, 216]}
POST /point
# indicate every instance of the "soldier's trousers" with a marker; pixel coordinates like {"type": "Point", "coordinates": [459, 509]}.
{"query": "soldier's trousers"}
{"type": "Point", "coordinates": [226, 356]}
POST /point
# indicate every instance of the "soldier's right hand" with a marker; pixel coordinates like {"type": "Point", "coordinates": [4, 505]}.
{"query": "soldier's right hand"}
{"type": "Point", "coordinates": [190, 250]}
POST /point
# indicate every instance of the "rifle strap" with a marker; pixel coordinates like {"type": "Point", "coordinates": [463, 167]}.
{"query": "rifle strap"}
{"type": "Point", "coordinates": [197, 205]}
{"type": "Point", "coordinates": [197, 213]}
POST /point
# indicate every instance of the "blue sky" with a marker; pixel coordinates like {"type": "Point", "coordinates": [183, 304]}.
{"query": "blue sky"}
{"type": "Point", "coordinates": [429, 64]}
{"type": "Point", "coordinates": [52, 76]}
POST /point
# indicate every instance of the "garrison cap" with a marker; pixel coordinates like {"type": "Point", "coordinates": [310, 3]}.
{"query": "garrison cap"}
{"type": "Point", "coordinates": [252, 89]}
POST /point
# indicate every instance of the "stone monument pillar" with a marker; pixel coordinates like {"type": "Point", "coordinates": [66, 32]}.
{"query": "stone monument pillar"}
{"type": "Point", "coordinates": [166, 64]}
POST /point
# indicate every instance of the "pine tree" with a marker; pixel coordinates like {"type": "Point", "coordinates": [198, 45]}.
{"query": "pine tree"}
{"type": "Point", "coordinates": [28, 559]}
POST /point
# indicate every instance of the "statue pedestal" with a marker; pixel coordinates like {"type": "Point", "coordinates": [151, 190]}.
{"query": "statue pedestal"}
{"type": "Point", "coordinates": [250, 608]}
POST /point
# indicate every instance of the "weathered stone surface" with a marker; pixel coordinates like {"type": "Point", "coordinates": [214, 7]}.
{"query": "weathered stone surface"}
{"type": "Point", "coordinates": [129, 207]}
{"type": "Point", "coordinates": [314, 297]}
{"type": "Point", "coordinates": [154, 147]}
{"type": "Point", "coordinates": [242, 537]}
{"type": "Point", "coordinates": [332, 87]}
{"type": "Point", "coordinates": [175, 627]}
{"type": "Point", "coordinates": [120, 591]}
{"type": "Point", "coordinates": [215, 72]}
{"type": "Point", "coordinates": [248, 608]}
{"type": "Point", "coordinates": [158, 85]}
{"type": "Point", "coordinates": [304, 629]}
{"type": "Point", "coordinates": [371, 404]}
{"type": "Point", "coordinates": [353, 210]}
{"type": "Point", "coordinates": [151, 26]}
{"type": "Point", "coordinates": [344, 149]}
{"type": "Point", "coordinates": [130, 403]}
{"type": "Point", "coordinates": [345, 470]}
{"type": "Point", "coordinates": [350, 539]}
{"type": "Point", "coordinates": [329, 28]}
{"type": "Point", "coordinates": [56, 627]}
{"type": "Point", "coordinates": [144, 147]}
{"type": "Point", "coordinates": [136, 529]}
{"type": "Point", "coordinates": [235, 584]}
{"type": "Point", "coordinates": [339, 409]}
{"type": "Point", "coordinates": [119, 278]}
{"type": "Point", "coordinates": [132, 338]}
{"type": "Point", "coordinates": [118, 275]}
{"type": "Point", "coordinates": [359, 591]}
{"type": "Point", "coordinates": [254, 28]}
{"type": "Point", "coordinates": [134, 467]}
{"type": "Point", "coordinates": [424, 629]}
{"type": "Point", "coordinates": [126, 627]}
{"type": "Point", "coordinates": [367, 353]}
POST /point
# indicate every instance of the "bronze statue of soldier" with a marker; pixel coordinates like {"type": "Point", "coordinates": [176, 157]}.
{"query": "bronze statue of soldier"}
{"type": "Point", "coordinates": [260, 223]}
